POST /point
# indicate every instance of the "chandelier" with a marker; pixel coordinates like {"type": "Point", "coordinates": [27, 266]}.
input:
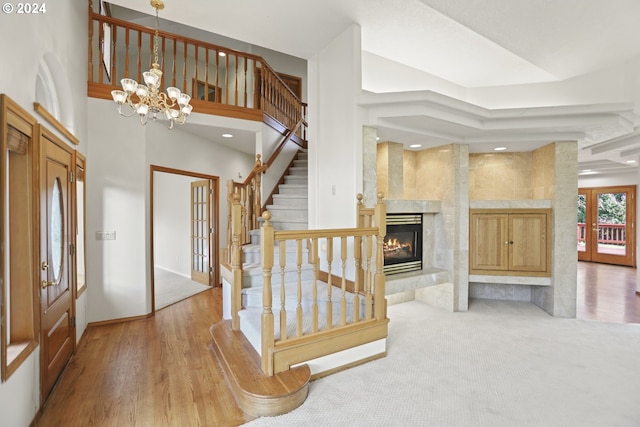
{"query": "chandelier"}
{"type": "Point", "coordinates": [146, 99]}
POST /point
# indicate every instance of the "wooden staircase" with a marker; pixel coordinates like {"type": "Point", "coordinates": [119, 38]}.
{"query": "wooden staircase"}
{"type": "Point", "coordinates": [256, 393]}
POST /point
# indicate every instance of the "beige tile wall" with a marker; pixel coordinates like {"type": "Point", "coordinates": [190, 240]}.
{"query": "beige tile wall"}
{"type": "Point", "coordinates": [435, 173]}
{"type": "Point", "coordinates": [500, 176]}
{"type": "Point", "coordinates": [544, 178]}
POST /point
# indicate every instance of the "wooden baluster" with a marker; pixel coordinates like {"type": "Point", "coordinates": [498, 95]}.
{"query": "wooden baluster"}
{"type": "Point", "coordinates": [236, 80]}
{"type": "Point", "coordinates": [283, 312]}
{"type": "Point", "coordinates": [236, 264]}
{"type": "Point", "coordinates": [139, 58]}
{"type": "Point", "coordinates": [329, 282]}
{"type": "Point", "coordinates": [299, 314]}
{"type": "Point", "coordinates": [343, 285]}
{"type": "Point", "coordinates": [217, 77]}
{"type": "Point", "coordinates": [357, 255]}
{"type": "Point", "coordinates": [173, 63]}
{"type": "Point", "coordinates": [314, 261]}
{"type": "Point", "coordinates": [184, 66]}
{"type": "Point", "coordinates": [266, 254]}
{"type": "Point", "coordinates": [226, 78]}
{"type": "Point", "coordinates": [90, 34]}
{"type": "Point", "coordinates": [195, 75]}
{"type": "Point", "coordinates": [258, 199]}
{"type": "Point", "coordinates": [380, 307]}
{"type": "Point", "coordinates": [112, 52]}
{"type": "Point", "coordinates": [101, 48]}
{"type": "Point", "coordinates": [206, 80]}
{"type": "Point", "coordinates": [246, 87]}
{"type": "Point", "coordinates": [126, 53]}
{"type": "Point", "coordinates": [368, 278]}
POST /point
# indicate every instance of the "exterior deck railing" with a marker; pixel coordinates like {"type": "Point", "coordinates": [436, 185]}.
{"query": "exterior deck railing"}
{"type": "Point", "coordinates": [610, 234]}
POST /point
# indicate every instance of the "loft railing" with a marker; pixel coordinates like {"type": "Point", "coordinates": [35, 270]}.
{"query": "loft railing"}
{"type": "Point", "coordinates": [351, 312]}
{"type": "Point", "coordinates": [220, 81]}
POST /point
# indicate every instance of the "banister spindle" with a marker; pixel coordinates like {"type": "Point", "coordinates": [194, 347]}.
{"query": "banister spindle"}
{"type": "Point", "coordinates": [313, 260]}
{"type": "Point", "coordinates": [329, 282]}
{"type": "Point", "coordinates": [266, 254]}
{"type": "Point", "coordinates": [283, 311]}
{"type": "Point", "coordinates": [299, 314]}
{"type": "Point", "coordinates": [343, 285]}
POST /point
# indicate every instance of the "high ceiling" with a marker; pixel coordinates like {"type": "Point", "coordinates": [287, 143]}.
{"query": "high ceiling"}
{"type": "Point", "coordinates": [472, 44]}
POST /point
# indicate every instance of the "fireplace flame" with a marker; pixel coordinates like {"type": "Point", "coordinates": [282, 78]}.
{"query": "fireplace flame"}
{"type": "Point", "coordinates": [394, 245]}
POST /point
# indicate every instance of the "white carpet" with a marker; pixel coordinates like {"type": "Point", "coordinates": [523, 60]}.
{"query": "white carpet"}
{"type": "Point", "coordinates": [500, 364]}
{"type": "Point", "coordinates": [171, 288]}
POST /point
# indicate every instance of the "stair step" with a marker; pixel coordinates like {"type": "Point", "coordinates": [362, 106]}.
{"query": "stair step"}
{"type": "Point", "coordinates": [301, 189]}
{"type": "Point", "coordinates": [298, 171]}
{"type": "Point", "coordinates": [257, 394]}
{"type": "Point", "coordinates": [301, 163]}
{"type": "Point", "coordinates": [296, 179]}
{"type": "Point", "coordinates": [292, 200]}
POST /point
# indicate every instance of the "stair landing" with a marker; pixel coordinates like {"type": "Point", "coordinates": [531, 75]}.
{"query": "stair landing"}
{"type": "Point", "coordinates": [257, 394]}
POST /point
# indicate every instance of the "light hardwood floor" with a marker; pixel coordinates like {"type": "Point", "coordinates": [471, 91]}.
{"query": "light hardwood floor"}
{"type": "Point", "coordinates": [608, 293]}
{"type": "Point", "coordinates": [161, 371]}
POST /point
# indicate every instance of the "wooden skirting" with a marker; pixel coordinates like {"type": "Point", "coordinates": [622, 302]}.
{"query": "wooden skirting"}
{"type": "Point", "coordinates": [257, 394]}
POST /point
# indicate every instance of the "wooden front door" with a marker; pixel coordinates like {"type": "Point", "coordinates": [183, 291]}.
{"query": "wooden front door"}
{"type": "Point", "coordinates": [57, 339]}
{"type": "Point", "coordinates": [606, 220]}
{"type": "Point", "coordinates": [200, 231]}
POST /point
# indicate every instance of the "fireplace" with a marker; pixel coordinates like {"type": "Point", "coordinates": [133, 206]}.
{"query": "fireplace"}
{"type": "Point", "coordinates": [403, 243]}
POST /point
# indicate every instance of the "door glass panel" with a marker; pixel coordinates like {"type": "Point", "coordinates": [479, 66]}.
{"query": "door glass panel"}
{"type": "Point", "coordinates": [612, 218]}
{"type": "Point", "coordinates": [582, 219]}
{"type": "Point", "coordinates": [56, 231]}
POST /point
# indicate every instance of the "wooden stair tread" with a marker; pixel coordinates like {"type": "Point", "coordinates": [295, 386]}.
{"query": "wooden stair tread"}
{"type": "Point", "coordinates": [257, 394]}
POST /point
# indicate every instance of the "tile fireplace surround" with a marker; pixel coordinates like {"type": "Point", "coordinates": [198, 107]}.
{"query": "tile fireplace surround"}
{"type": "Point", "coordinates": [407, 286]}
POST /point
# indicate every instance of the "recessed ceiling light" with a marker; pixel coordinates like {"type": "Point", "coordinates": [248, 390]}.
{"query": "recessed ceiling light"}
{"type": "Point", "coordinates": [499, 148]}
{"type": "Point", "coordinates": [415, 146]}
{"type": "Point", "coordinates": [631, 161]}
{"type": "Point", "coordinates": [222, 54]}
{"type": "Point", "coordinates": [227, 135]}
{"type": "Point", "coordinates": [377, 138]}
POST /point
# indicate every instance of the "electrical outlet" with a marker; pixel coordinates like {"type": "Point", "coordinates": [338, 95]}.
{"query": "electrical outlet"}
{"type": "Point", "coordinates": [105, 235]}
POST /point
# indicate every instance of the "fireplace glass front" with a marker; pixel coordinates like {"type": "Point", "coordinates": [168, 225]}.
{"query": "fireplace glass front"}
{"type": "Point", "coordinates": [403, 243]}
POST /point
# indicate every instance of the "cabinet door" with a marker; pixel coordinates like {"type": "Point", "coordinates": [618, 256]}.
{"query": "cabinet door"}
{"type": "Point", "coordinates": [528, 242]}
{"type": "Point", "coordinates": [489, 243]}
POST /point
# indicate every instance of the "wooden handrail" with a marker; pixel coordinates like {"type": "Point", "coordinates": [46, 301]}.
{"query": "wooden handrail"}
{"type": "Point", "coordinates": [237, 84]}
{"type": "Point", "coordinates": [369, 284]}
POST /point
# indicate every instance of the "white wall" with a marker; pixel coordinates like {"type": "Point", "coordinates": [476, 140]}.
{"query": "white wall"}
{"type": "Point", "coordinates": [61, 32]}
{"type": "Point", "coordinates": [335, 139]}
{"type": "Point", "coordinates": [118, 185]}
{"type": "Point", "coordinates": [172, 222]}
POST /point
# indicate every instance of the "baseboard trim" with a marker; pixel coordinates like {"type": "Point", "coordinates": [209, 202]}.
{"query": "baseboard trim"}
{"type": "Point", "coordinates": [119, 320]}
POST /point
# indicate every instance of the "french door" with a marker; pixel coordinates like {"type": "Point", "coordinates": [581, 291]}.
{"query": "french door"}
{"type": "Point", "coordinates": [606, 225]}
{"type": "Point", "coordinates": [201, 267]}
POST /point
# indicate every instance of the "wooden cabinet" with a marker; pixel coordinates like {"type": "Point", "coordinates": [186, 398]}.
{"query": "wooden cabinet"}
{"type": "Point", "coordinates": [513, 242]}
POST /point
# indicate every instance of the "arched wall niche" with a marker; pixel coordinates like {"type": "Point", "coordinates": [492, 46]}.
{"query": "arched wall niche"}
{"type": "Point", "coordinates": [53, 91]}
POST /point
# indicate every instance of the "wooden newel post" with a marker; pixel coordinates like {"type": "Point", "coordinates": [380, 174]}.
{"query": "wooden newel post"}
{"type": "Point", "coordinates": [266, 255]}
{"type": "Point", "coordinates": [380, 306]}
{"type": "Point", "coordinates": [236, 262]}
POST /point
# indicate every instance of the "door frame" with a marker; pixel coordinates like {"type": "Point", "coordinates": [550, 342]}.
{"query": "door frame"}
{"type": "Point", "coordinates": [214, 212]}
{"type": "Point", "coordinates": [591, 212]}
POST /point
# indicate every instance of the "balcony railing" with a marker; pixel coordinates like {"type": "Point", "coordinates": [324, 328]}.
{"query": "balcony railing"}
{"type": "Point", "coordinates": [609, 234]}
{"type": "Point", "coordinates": [220, 81]}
